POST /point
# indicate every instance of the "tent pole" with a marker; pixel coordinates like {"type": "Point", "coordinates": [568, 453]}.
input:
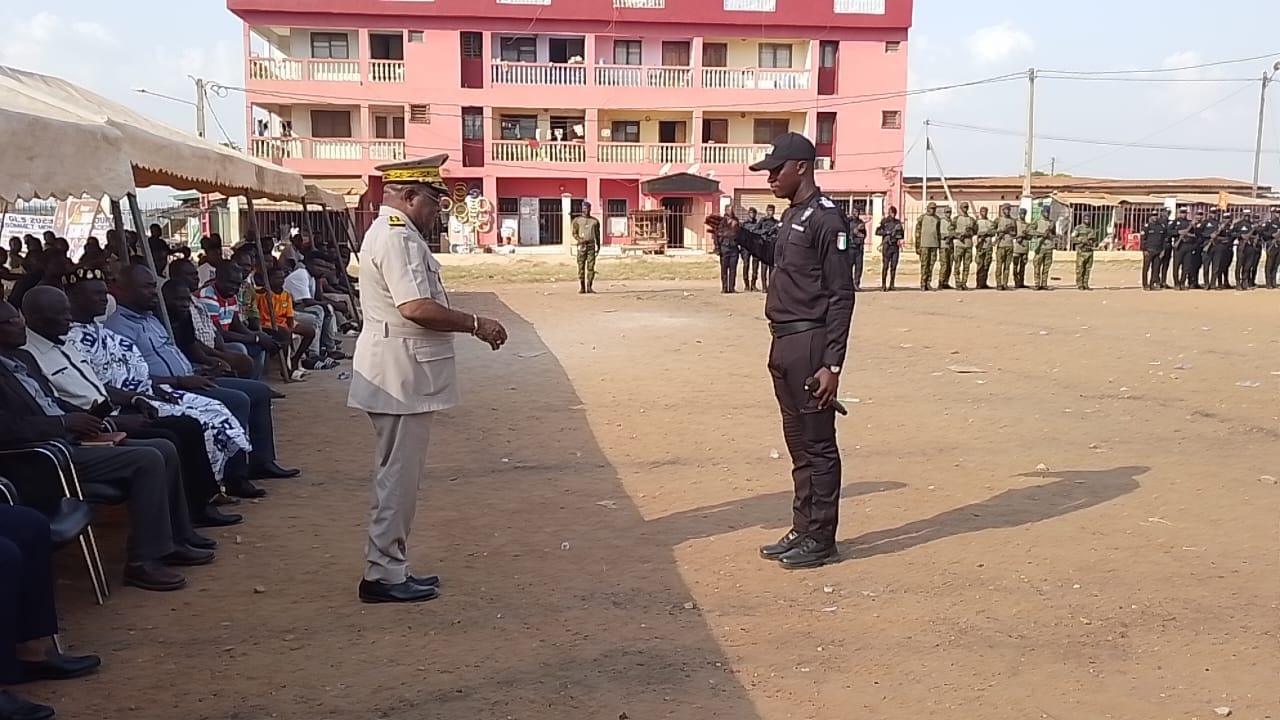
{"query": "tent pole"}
{"type": "Point", "coordinates": [348, 228]}
{"type": "Point", "coordinates": [117, 220]}
{"type": "Point", "coordinates": [136, 213]}
{"type": "Point", "coordinates": [266, 280]}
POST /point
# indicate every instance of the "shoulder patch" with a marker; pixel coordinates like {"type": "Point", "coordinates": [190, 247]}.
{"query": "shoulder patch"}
{"type": "Point", "coordinates": [395, 221]}
{"type": "Point", "coordinates": [842, 241]}
{"type": "Point", "coordinates": [825, 202]}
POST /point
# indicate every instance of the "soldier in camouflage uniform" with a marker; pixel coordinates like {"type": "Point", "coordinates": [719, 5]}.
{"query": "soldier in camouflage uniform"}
{"type": "Point", "coordinates": [983, 247]}
{"type": "Point", "coordinates": [962, 257]}
{"type": "Point", "coordinates": [1021, 249]}
{"type": "Point", "coordinates": [928, 239]}
{"type": "Point", "coordinates": [946, 251]}
{"type": "Point", "coordinates": [1043, 234]}
{"type": "Point", "coordinates": [1085, 238]}
{"type": "Point", "coordinates": [1006, 234]}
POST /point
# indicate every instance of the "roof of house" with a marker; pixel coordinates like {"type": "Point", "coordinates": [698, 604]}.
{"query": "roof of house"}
{"type": "Point", "coordinates": [1053, 183]}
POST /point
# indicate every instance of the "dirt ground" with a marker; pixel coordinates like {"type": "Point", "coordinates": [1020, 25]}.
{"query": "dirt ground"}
{"type": "Point", "coordinates": [596, 503]}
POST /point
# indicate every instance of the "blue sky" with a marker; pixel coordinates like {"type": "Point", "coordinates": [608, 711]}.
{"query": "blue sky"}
{"type": "Point", "coordinates": [157, 44]}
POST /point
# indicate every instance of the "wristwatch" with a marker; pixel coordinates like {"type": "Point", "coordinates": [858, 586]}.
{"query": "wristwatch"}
{"type": "Point", "coordinates": [834, 369]}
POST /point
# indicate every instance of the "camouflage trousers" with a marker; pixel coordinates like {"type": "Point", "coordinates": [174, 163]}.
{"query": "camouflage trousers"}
{"type": "Point", "coordinates": [1004, 266]}
{"type": "Point", "coordinates": [945, 257]}
{"type": "Point", "coordinates": [982, 256]}
{"type": "Point", "coordinates": [1041, 264]}
{"type": "Point", "coordinates": [961, 260]}
{"type": "Point", "coordinates": [1019, 270]}
{"type": "Point", "coordinates": [1084, 267]}
{"type": "Point", "coordinates": [928, 256]}
{"type": "Point", "coordinates": [587, 262]}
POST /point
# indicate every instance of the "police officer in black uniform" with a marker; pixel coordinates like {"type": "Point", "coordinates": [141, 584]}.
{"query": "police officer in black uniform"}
{"type": "Point", "coordinates": [1210, 232]}
{"type": "Point", "coordinates": [1152, 248]}
{"type": "Point", "coordinates": [766, 227]}
{"type": "Point", "coordinates": [750, 263]}
{"type": "Point", "coordinates": [810, 308]}
{"type": "Point", "coordinates": [1242, 233]}
{"type": "Point", "coordinates": [1270, 235]}
{"type": "Point", "coordinates": [1193, 253]}
{"type": "Point", "coordinates": [1179, 233]}
{"type": "Point", "coordinates": [891, 235]}
{"type": "Point", "coordinates": [857, 246]}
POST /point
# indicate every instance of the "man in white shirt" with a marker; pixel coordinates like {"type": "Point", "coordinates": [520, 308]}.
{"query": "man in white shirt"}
{"type": "Point", "coordinates": [308, 308]}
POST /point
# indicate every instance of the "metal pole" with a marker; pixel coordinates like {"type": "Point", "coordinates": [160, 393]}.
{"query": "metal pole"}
{"type": "Point", "coordinates": [117, 219]}
{"type": "Point", "coordinates": [924, 179]}
{"type": "Point", "coordinates": [262, 260]}
{"type": "Point", "coordinates": [136, 213]}
{"type": "Point", "coordinates": [1031, 135]}
{"type": "Point", "coordinates": [200, 99]}
{"type": "Point", "coordinates": [1262, 123]}
{"type": "Point", "coordinates": [942, 175]}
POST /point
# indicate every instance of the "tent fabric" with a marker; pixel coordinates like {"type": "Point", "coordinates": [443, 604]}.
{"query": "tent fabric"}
{"type": "Point", "coordinates": [159, 154]}
{"type": "Point", "coordinates": [48, 152]}
{"type": "Point", "coordinates": [350, 189]}
{"type": "Point", "coordinates": [317, 195]}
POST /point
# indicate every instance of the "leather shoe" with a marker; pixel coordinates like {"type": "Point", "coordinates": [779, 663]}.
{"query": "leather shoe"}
{"type": "Point", "coordinates": [184, 556]}
{"type": "Point", "coordinates": [808, 554]}
{"type": "Point", "coordinates": [60, 667]}
{"type": "Point", "coordinates": [273, 471]}
{"type": "Point", "coordinates": [152, 576]}
{"type": "Point", "coordinates": [211, 516]}
{"type": "Point", "coordinates": [784, 545]}
{"type": "Point", "coordinates": [244, 489]}
{"type": "Point", "coordinates": [13, 707]}
{"type": "Point", "coordinates": [201, 542]}
{"type": "Point", "coordinates": [405, 592]}
{"type": "Point", "coordinates": [432, 581]}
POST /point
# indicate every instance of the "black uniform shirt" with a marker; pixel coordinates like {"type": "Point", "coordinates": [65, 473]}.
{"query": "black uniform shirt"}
{"type": "Point", "coordinates": [766, 226]}
{"type": "Point", "coordinates": [892, 232]}
{"type": "Point", "coordinates": [1206, 229]}
{"type": "Point", "coordinates": [1153, 235]}
{"type": "Point", "coordinates": [1242, 230]}
{"type": "Point", "coordinates": [1176, 227]}
{"type": "Point", "coordinates": [812, 275]}
{"type": "Point", "coordinates": [1270, 232]}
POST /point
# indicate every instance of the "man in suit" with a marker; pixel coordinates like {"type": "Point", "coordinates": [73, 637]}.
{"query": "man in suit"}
{"type": "Point", "coordinates": [404, 366]}
{"type": "Point", "coordinates": [147, 470]}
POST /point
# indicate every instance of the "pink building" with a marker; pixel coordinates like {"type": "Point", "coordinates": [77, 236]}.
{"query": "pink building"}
{"type": "Point", "coordinates": [631, 104]}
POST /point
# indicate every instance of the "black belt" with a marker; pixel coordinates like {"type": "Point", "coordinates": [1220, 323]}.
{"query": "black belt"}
{"type": "Point", "coordinates": [781, 330]}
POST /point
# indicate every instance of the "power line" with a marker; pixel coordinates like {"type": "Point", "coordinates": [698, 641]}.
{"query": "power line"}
{"type": "Point", "coordinates": [1091, 78]}
{"type": "Point", "coordinates": [1091, 141]}
{"type": "Point", "coordinates": [1154, 71]}
{"type": "Point", "coordinates": [218, 121]}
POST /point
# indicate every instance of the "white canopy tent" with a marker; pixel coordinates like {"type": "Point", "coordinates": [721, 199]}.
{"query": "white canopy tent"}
{"type": "Point", "coordinates": [49, 152]}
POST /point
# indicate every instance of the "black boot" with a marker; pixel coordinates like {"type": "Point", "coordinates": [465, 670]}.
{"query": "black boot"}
{"type": "Point", "coordinates": [809, 554]}
{"type": "Point", "coordinates": [785, 544]}
{"type": "Point", "coordinates": [582, 287]}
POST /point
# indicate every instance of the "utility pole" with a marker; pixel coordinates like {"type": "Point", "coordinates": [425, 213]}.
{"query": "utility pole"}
{"type": "Point", "coordinates": [200, 99]}
{"type": "Point", "coordinates": [1053, 166]}
{"type": "Point", "coordinates": [1267, 78]}
{"type": "Point", "coordinates": [924, 179]}
{"type": "Point", "coordinates": [1031, 140]}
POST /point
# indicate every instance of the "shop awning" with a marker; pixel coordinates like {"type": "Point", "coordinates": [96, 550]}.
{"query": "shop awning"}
{"type": "Point", "coordinates": [680, 184]}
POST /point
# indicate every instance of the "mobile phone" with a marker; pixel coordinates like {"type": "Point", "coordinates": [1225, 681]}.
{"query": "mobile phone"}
{"type": "Point", "coordinates": [102, 410]}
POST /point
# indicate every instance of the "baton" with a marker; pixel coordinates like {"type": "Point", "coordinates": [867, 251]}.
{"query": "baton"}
{"type": "Point", "coordinates": [811, 384]}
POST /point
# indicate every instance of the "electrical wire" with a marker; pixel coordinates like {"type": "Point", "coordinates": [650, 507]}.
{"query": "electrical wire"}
{"type": "Point", "coordinates": [1155, 71]}
{"type": "Point", "coordinates": [217, 121]}
{"type": "Point", "coordinates": [1092, 141]}
{"type": "Point", "coordinates": [1089, 78]}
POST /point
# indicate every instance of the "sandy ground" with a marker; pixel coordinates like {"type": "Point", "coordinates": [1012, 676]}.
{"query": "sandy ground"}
{"type": "Point", "coordinates": [596, 504]}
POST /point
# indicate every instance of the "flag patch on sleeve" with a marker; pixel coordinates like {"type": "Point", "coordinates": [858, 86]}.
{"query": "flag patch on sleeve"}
{"type": "Point", "coordinates": [842, 241]}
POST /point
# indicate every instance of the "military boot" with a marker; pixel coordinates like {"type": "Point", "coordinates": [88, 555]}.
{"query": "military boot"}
{"type": "Point", "coordinates": [582, 287]}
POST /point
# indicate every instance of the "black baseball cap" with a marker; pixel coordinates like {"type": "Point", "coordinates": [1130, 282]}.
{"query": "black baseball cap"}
{"type": "Point", "coordinates": [792, 146]}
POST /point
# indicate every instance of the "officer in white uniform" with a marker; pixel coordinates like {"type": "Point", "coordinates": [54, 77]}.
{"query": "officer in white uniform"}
{"type": "Point", "coordinates": [404, 366]}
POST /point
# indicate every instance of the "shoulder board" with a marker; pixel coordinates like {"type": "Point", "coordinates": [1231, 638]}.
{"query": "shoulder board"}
{"type": "Point", "coordinates": [395, 221]}
{"type": "Point", "coordinates": [825, 202]}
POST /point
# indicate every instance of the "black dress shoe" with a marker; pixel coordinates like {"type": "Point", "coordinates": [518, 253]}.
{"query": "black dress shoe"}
{"type": "Point", "coordinates": [245, 489]}
{"type": "Point", "coordinates": [152, 576]}
{"type": "Point", "coordinates": [784, 545]}
{"type": "Point", "coordinates": [185, 556]}
{"type": "Point", "coordinates": [60, 667]}
{"type": "Point", "coordinates": [405, 592]}
{"type": "Point", "coordinates": [13, 707]}
{"type": "Point", "coordinates": [277, 395]}
{"type": "Point", "coordinates": [432, 581]}
{"type": "Point", "coordinates": [273, 471]}
{"type": "Point", "coordinates": [808, 554]}
{"type": "Point", "coordinates": [201, 542]}
{"type": "Point", "coordinates": [211, 516]}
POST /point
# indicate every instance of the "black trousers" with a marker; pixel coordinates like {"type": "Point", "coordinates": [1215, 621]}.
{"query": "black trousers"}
{"type": "Point", "coordinates": [1222, 267]}
{"type": "Point", "coordinates": [728, 271]}
{"type": "Point", "coordinates": [27, 610]}
{"type": "Point", "coordinates": [1250, 257]}
{"type": "Point", "coordinates": [1209, 265]}
{"type": "Point", "coordinates": [187, 435]}
{"type": "Point", "coordinates": [858, 260]}
{"type": "Point", "coordinates": [810, 435]}
{"type": "Point", "coordinates": [1272, 269]}
{"type": "Point", "coordinates": [1166, 259]}
{"type": "Point", "coordinates": [1150, 268]}
{"type": "Point", "coordinates": [889, 268]}
{"type": "Point", "coordinates": [1190, 265]}
{"type": "Point", "coordinates": [751, 272]}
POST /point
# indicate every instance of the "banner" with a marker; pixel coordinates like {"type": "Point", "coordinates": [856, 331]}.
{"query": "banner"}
{"type": "Point", "coordinates": [76, 224]}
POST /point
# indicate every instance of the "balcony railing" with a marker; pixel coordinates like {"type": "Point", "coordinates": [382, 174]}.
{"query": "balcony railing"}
{"type": "Point", "coordinates": [275, 148]}
{"type": "Point", "coordinates": [754, 79]}
{"type": "Point", "coordinates": [386, 71]}
{"type": "Point", "coordinates": [275, 69]}
{"type": "Point", "coordinates": [286, 148]}
{"type": "Point", "coordinates": [644, 153]}
{"type": "Point", "coordinates": [640, 76]}
{"type": "Point", "coordinates": [517, 73]}
{"type": "Point", "coordinates": [733, 154]}
{"type": "Point", "coordinates": [386, 150]}
{"type": "Point", "coordinates": [333, 70]}
{"type": "Point", "coordinates": [518, 151]}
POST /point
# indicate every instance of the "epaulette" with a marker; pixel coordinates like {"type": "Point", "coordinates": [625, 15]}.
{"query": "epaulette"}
{"type": "Point", "coordinates": [395, 221]}
{"type": "Point", "coordinates": [825, 202]}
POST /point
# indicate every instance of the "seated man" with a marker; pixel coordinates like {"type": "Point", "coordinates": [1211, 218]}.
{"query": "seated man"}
{"type": "Point", "coordinates": [147, 470]}
{"type": "Point", "coordinates": [248, 400]}
{"type": "Point", "coordinates": [274, 299]}
{"type": "Point", "coordinates": [221, 301]}
{"type": "Point", "coordinates": [311, 309]}
{"type": "Point", "coordinates": [28, 616]}
{"type": "Point", "coordinates": [202, 327]}
{"type": "Point", "coordinates": [210, 259]}
{"type": "Point", "coordinates": [48, 316]}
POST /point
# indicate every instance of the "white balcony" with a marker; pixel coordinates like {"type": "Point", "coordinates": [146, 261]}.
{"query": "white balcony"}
{"type": "Point", "coordinates": [642, 76]}
{"type": "Point", "coordinates": [524, 151]}
{"type": "Point", "coordinates": [333, 70]}
{"type": "Point", "coordinates": [644, 153]}
{"type": "Point", "coordinates": [275, 148]}
{"type": "Point", "coordinates": [293, 148]}
{"type": "Point", "coordinates": [733, 154]}
{"type": "Point", "coordinates": [517, 73]}
{"type": "Point", "coordinates": [275, 69]}
{"type": "Point", "coordinates": [386, 71]}
{"type": "Point", "coordinates": [386, 150]}
{"type": "Point", "coordinates": [754, 79]}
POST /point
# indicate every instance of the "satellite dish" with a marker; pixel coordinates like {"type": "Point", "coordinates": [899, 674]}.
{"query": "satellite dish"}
{"type": "Point", "coordinates": [665, 169]}
{"type": "Point", "coordinates": [693, 169]}
{"type": "Point", "coordinates": [711, 173]}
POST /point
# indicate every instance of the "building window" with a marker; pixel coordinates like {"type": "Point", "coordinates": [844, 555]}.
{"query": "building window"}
{"type": "Point", "coordinates": [767, 129]}
{"type": "Point", "coordinates": [892, 47]}
{"type": "Point", "coordinates": [472, 45]}
{"type": "Point", "coordinates": [508, 205]}
{"type": "Point", "coordinates": [859, 7]}
{"type": "Point", "coordinates": [775, 55]}
{"type": "Point", "coordinates": [828, 53]}
{"type": "Point", "coordinates": [472, 123]}
{"type": "Point", "coordinates": [518, 49]}
{"type": "Point", "coordinates": [675, 53]}
{"type": "Point", "coordinates": [417, 36]}
{"type": "Point", "coordinates": [715, 131]}
{"type": "Point", "coordinates": [751, 5]}
{"type": "Point", "coordinates": [615, 216]}
{"type": "Point", "coordinates": [385, 46]}
{"type": "Point", "coordinates": [715, 55]}
{"type": "Point", "coordinates": [388, 127]}
{"type": "Point", "coordinates": [826, 128]}
{"type": "Point", "coordinates": [567, 128]}
{"type": "Point", "coordinates": [628, 52]}
{"type": "Point", "coordinates": [419, 114]}
{"type": "Point", "coordinates": [331, 123]}
{"type": "Point", "coordinates": [519, 127]}
{"type": "Point", "coordinates": [625, 131]}
{"type": "Point", "coordinates": [330, 46]}
{"type": "Point", "coordinates": [891, 120]}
